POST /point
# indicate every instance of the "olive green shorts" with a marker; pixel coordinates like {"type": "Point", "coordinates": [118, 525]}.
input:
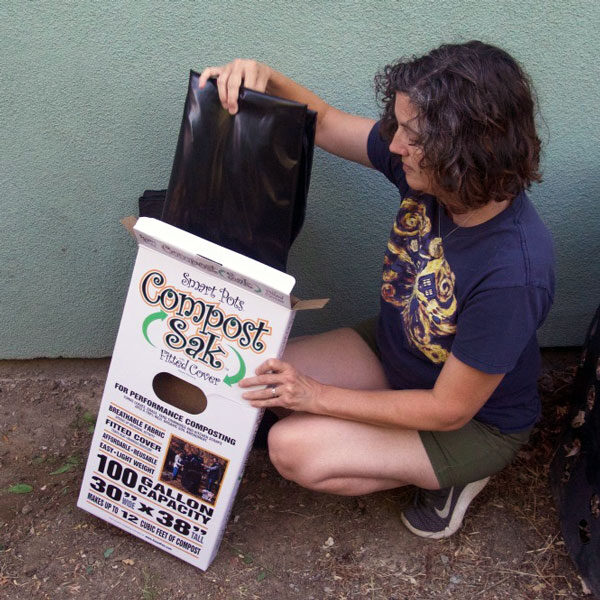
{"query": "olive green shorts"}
{"type": "Point", "coordinates": [472, 452]}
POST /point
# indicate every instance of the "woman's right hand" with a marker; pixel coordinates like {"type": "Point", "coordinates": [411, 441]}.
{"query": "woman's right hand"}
{"type": "Point", "coordinates": [230, 77]}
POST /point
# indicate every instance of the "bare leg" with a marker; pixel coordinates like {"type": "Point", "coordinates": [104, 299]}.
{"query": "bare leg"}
{"type": "Point", "coordinates": [349, 458]}
{"type": "Point", "coordinates": [339, 357]}
{"type": "Point", "coordinates": [337, 455]}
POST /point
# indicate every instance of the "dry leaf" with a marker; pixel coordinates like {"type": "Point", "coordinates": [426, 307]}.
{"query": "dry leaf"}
{"type": "Point", "coordinates": [573, 449]}
{"type": "Point", "coordinates": [579, 419]}
{"type": "Point", "coordinates": [584, 588]}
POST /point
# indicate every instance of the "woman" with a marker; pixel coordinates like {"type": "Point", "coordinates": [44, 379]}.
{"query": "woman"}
{"type": "Point", "coordinates": [440, 391]}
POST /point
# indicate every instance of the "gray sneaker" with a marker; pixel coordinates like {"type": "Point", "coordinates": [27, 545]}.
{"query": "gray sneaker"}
{"type": "Point", "coordinates": [438, 514]}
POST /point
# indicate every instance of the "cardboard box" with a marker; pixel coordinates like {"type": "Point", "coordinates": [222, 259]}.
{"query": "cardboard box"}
{"type": "Point", "coordinates": [197, 319]}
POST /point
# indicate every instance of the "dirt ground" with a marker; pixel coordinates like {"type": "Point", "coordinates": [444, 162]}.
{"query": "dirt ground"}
{"type": "Point", "coordinates": [282, 541]}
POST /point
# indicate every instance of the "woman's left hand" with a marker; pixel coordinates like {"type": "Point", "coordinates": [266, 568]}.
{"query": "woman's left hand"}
{"type": "Point", "coordinates": [286, 387]}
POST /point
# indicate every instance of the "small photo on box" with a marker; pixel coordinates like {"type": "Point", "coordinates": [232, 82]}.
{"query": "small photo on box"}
{"type": "Point", "coordinates": [193, 469]}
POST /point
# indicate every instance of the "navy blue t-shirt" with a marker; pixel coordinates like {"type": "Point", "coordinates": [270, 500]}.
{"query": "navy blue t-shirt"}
{"type": "Point", "coordinates": [479, 292]}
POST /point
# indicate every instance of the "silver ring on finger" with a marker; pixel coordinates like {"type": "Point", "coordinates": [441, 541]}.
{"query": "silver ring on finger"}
{"type": "Point", "coordinates": [273, 391]}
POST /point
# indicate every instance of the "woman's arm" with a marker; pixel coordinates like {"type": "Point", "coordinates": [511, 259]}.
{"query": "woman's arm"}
{"type": "Point", "coordinates": [458, 394]}
{"type": "Point", "coordinates": [338, 132]}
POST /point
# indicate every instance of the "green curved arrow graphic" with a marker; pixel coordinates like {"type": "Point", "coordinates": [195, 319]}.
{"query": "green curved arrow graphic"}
{"type": "Point", "coordinates": [160, 315]}
{"type": "Point", "coordinates": [240, 374]}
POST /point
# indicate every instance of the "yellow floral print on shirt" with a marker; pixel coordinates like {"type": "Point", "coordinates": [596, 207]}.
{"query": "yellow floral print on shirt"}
{"type": "Point", "coordinates": [418, 280]}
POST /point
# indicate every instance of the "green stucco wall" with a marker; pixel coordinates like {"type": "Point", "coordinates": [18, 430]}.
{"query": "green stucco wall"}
{"type": "Point", "coordinates": [90, 107]}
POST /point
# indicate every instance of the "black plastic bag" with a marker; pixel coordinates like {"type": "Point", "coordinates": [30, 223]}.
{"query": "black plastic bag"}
{"type": "Point", "coordinates": [241, 181]}
{"type": "Point", "coordinates": [575, 469]}
{"type": "Point", "coordinates": [152, 203]}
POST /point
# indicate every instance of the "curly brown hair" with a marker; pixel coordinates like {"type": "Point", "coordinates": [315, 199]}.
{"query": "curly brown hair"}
{"type": "Point", "coordinates": [476, 119]}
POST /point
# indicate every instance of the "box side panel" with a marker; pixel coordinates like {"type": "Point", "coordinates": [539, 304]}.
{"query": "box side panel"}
{"type": "Point", "coordinates": [165, 474]}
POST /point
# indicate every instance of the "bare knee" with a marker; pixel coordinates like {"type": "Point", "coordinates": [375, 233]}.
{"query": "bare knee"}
{"type": "Point", "coordinates": [291, 454]}
{"type": "Point", "coordinates": [284, 448]}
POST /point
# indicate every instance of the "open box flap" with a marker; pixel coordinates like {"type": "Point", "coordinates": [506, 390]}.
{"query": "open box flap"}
{"type": "Point", "coordinates": [226, 264]}
{"type": "Point", "coordinates": [257, 278]}
{"type": "Point", "coordinates": [313, 304]}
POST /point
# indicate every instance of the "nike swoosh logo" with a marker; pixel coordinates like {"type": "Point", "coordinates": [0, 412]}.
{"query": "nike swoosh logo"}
{"type": "Point", "coordinates": [443, 514]}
